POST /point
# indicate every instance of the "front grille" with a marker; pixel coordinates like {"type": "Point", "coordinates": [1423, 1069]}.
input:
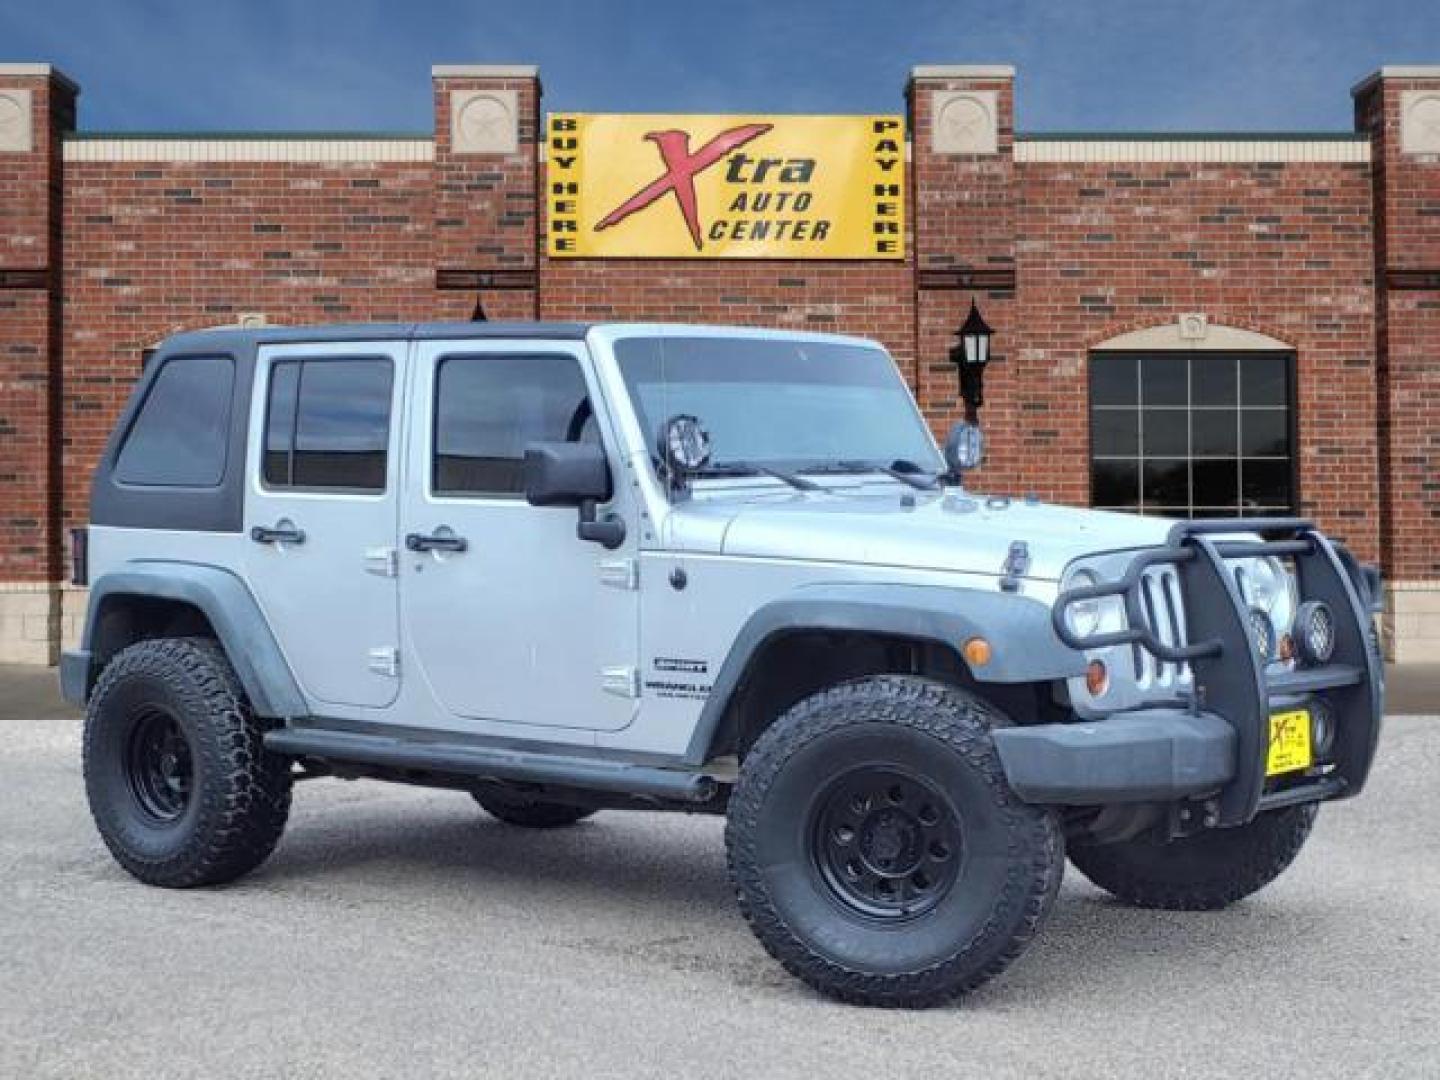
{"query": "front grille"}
{"type": "Point", "coordinates": [1164, 611]}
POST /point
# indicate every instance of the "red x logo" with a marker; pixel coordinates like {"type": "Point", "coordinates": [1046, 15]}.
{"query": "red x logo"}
{"type": "Point", "coordinates": [681, 168]}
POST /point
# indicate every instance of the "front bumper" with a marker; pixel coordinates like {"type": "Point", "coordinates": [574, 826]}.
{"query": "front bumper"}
{"type": "Point", "coordinates": [1213, 743]}
{"type": "Point", "coordinates": [1149, 755]}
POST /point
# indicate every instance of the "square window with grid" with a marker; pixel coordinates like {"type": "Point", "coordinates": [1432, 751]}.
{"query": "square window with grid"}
{"type": "Point", "coordinates": [1193, 434]}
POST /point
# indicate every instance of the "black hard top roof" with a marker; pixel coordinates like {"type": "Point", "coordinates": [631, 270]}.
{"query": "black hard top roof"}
{"type": "Point", "coordinates": [242, 337]}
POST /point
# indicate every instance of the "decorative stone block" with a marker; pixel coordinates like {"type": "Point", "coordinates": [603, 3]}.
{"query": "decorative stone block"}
{"type": "Point", "coordinates": [484, 122]}
{"type": "Point", "coordinates": [1420, 122]}
{"type": "Point", "coordinates": [1194, 326]}
{"type": "Point", "coordinates": [16, 130]}
{"type": "Point", "coordinates": [965, 122]}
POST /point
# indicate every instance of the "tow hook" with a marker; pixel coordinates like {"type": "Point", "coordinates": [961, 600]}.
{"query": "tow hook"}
{"type": "Point", "coordinates": [1189, 818]}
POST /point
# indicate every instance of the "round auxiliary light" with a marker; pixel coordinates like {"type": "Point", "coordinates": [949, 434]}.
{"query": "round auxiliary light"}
{"type": "Point", "coordinates": [1315, 632]}
{"type": "Point", "coordinates": [684, 445]}
{"type": "Point", "coordinates": [1262, 630]}
{"type": "Point", "coordinates": [964, 448]}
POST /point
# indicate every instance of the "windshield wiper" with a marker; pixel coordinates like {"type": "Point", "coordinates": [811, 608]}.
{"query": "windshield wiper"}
{"type": "Point", "coordinates": [907, 472]}
{"type": "Point", "coordinates": [751, 468]}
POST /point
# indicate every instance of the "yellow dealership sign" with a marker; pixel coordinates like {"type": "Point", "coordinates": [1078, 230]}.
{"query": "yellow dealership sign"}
{"type": "Point", "coordinates": [725, 187]}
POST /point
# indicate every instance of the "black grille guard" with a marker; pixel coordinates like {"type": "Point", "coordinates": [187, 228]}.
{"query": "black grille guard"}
{"type": "Point", "coordinates": [1228, 678]}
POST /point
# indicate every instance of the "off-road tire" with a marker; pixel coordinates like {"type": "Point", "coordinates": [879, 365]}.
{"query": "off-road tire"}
{"type": "Point", "coordinates": [528, 813]}
{"type": "Point", "coordinates": [238, 794]}
{"type": "Point", "coordinates": [1199, 873]}
{"type": "Point", "coordinates": [1010, 856]}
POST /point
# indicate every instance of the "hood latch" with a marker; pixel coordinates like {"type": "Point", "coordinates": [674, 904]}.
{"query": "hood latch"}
{"type": "Point", "coordinates": [1017, 561]}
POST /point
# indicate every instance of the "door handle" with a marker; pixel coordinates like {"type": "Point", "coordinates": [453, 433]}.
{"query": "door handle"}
{"type": "Point", "coordinates": [437, 542]}
{"type": "Point", "coordinates": [288, 534]}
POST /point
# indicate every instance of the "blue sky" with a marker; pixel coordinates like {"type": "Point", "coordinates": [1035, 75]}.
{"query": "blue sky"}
{"type": "Point", "coordinates": [364, 64]}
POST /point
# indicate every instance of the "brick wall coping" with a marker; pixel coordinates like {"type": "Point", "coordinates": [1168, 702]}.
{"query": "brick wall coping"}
{"type": "Point", "coordinates": [963, 71]}
{"type": "Point", "coordinates": [43, 71]}
{"type": "Point", "coordinates": [1188, 148]}
{"type": "Point", "coordinates": [1193, 136]}
{"type": "Point", "coordinates": [1397, 71]}
{"type": "Point", "coordinates": [274, 136]}
{"type": "Point", "coordinates": [250, 147]}
{"type": "Point", "coordinates": [484, 71]}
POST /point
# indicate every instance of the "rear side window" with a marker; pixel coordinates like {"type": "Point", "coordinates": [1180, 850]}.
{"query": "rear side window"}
{"type": "Point", "coordinates": [327, 424]}
{"type": "Point", "coordinates": [489, 407]}
{"type": "Point", "coordinates": [180, 435]}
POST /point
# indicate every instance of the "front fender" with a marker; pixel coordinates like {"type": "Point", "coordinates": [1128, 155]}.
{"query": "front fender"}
{"type": "Point", "coordinates": [231, 610]}
{"type": "Point", "coordinates": [1024, 646]}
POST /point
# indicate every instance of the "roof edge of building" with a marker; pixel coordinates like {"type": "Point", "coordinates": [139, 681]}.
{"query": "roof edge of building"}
{"type": "Point", "coordinates": [39, 70]}
{"type": "Point", "coordinates": [1396, 71]}
{"type": "Point", "coordinates": [485, 71]}
{"type": "Point", "coordinates": [962, 71]}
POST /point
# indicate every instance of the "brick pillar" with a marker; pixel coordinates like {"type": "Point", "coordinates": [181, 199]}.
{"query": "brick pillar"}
{"type": "Point", "coordinates": [37, 105]}
{"type": "Point", "coordinates": [1400, 108]}
{"type": "Point", "coordinates": [963, 180]}
{"type": "Point", "coordinates": [487, 127]}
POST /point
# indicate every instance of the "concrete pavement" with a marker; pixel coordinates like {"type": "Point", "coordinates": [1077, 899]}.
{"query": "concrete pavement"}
{"type": "Point", "coordinates": [400, 932]}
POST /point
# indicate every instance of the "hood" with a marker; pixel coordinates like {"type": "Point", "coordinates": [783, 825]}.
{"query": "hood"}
{"type": "Point", "coordinates": [883, 526]}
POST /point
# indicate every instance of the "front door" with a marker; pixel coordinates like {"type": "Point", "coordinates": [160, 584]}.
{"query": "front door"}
{"type": "Point", "coordinates": [320, 515]}
{"type": "Point", "coordinates": [510, 616]}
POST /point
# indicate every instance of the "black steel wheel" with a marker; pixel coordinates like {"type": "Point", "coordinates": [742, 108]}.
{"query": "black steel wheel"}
{"type": "Point", "coordinates": [179, 781]}
{"type": "Point", "coordinates": [877, 851]}
{"type": "Point", "coordinates": [887, 842]}
{"type": "Point", "coordinates": [158, 766]}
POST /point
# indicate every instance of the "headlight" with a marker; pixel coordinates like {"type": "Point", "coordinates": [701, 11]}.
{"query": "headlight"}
{"type": "Point", "coordinates": [1084, 616]}
{"type": "Point", "coordinates": [1102, 614]}
{"type": "Point", "coordinates": [1267, 583]}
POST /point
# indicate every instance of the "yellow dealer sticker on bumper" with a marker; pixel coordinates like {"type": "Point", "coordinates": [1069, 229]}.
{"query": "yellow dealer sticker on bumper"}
{"type": "Point", "coordinates": [1289, 742]}
{"type": "Point", "coordinates": [725, 187]}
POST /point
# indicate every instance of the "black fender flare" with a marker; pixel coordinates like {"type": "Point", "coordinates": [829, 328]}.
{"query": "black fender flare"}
{"type": "Point", "coordinates": [231, 610]}
{"type": "Point", "coordinates": [1025, 648]}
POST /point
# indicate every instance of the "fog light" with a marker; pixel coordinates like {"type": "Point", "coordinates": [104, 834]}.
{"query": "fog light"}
{"type": "Point", "coordinates": [1263, 631]}
{"type": "Point", "coordinates": [1322, 730]}
{"type": "Point", "coordinates": [976, 652]}
{"type": "Point", "coordinates": [1315, 632]}
{"type": "Point", "coordinates": [1097, 678]}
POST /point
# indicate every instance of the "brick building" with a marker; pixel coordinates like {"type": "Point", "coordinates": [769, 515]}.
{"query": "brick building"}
{"type": "Point", "coordinates": [1300, 273]}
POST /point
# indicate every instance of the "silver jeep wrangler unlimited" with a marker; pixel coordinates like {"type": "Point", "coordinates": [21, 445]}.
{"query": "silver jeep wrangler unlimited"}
{"type": "Point", "coordinates": [567, 568]}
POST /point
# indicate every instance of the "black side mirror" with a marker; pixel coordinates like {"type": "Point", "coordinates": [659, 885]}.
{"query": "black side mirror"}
{"type": "Point", "coordinates": [574, 474]}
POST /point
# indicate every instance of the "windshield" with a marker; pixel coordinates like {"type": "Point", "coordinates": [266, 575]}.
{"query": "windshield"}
{"type": "Point", "coordinates": [785, 404]}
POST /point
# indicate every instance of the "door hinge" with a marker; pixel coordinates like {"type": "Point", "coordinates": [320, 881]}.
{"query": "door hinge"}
{"type": "Point", "coordinates": [384, 561]}
{"type": "Point", "coordinates": [620, 681]}
{"type": "Point", "coordinates": [620, 573]}
{"type": "Point", "coordinates": [385, 660]}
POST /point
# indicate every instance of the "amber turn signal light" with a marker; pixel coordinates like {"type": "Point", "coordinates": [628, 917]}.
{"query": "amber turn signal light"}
{"type": "Point", "coordinates": [1286, 649]}
{"type": "Point", "coordinates": [1097, 678]}
{"type": "Point", "coordinates": [976, 652]}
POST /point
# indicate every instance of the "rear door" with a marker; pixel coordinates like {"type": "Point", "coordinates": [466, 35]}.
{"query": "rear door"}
{"type": "Point", "coordinates": [320, 515]}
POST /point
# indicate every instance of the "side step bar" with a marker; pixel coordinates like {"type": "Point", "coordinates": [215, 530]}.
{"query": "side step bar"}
{"type": "Point", "coordinates": [493, 763]}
